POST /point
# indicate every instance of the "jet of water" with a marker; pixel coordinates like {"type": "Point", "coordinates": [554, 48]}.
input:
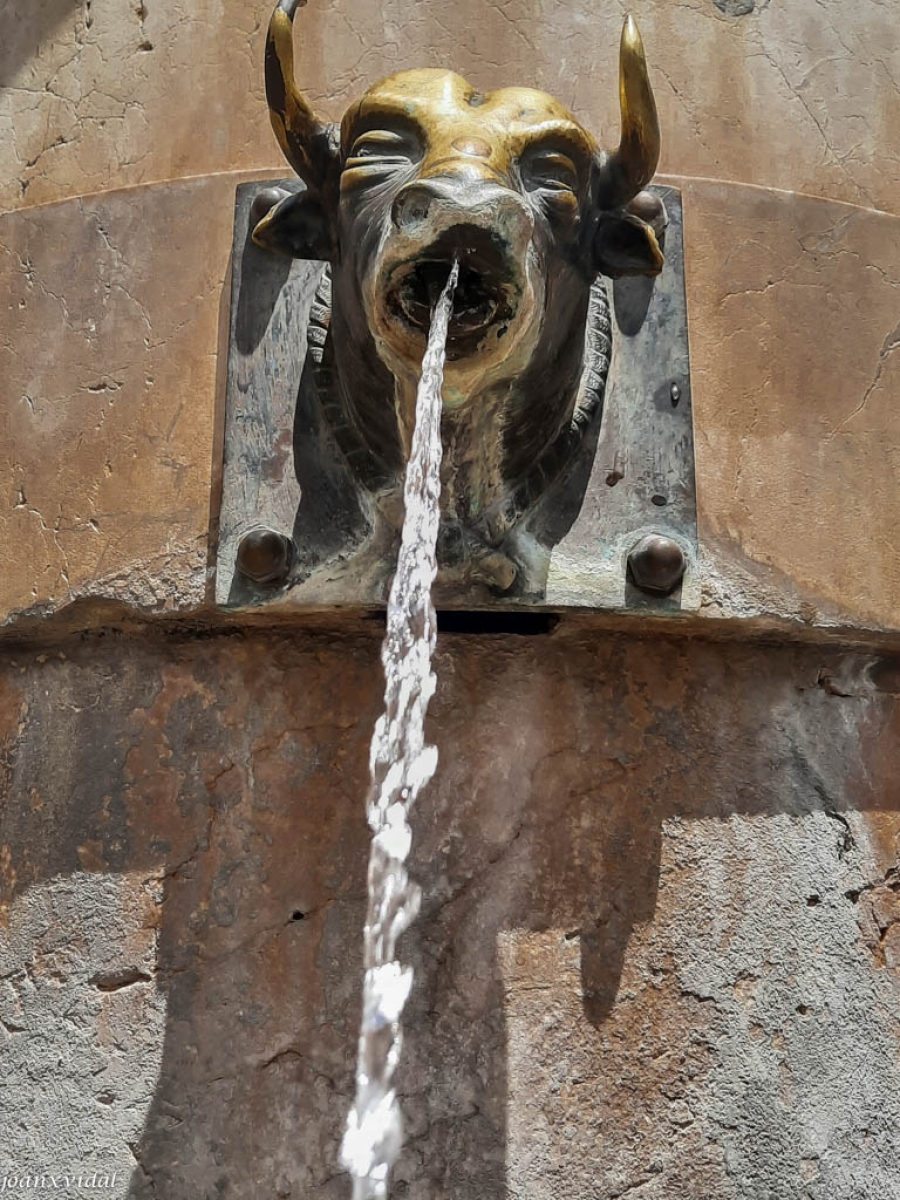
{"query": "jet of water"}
{"type": "Point", "coordinates": [400, 765]}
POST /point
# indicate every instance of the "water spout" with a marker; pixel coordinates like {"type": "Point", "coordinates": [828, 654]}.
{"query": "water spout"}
{"type": "Point", "coordinates": [400, 765]}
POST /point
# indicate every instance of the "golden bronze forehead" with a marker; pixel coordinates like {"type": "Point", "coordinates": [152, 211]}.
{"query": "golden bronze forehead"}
{"type": "Point", "coordinates": [444, 104]}
{"type": "Point", "coordinates": [438, 101]}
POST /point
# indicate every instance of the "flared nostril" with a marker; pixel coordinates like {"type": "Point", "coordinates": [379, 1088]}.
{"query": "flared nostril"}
{"type": "Point", "coordinates": [411, 207]}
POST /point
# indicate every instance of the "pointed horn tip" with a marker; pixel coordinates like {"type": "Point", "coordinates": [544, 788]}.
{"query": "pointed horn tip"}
{"type": "Point", "coordinates": [631, 35]}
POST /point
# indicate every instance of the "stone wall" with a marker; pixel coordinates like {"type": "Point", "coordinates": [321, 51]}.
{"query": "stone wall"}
{"type": "Point", "coordinates": [659, 952]}
{"type": "Point", "coordinates": [130, 126]}
{"type": "Point", "coordinates": [100, 95]}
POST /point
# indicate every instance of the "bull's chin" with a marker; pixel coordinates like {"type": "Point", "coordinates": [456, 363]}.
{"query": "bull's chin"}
{"type": "Point", "coordinates": [466, 339]}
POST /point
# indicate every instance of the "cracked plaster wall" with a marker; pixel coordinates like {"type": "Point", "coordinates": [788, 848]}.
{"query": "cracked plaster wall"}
{"type": "Point", "coordinates": [111, 342]}
{"type": "Point", "coordinates": [110, 361]}
{"type": "Point", "coordinates": [100, 93]}
{"type": "Point", "coordinates": [659, 954]}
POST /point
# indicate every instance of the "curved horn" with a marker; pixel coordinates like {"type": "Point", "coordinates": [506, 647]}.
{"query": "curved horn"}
{"type": "Point", "coordinates": [296, 126]}
{"type": "Point", "coordinates": [631, 167]}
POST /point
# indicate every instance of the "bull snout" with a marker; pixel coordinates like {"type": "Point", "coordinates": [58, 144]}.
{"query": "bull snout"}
{"type": "Point", "coordinates": [428, 208]}
{"type": "Point", "coordinates": [486, 227]}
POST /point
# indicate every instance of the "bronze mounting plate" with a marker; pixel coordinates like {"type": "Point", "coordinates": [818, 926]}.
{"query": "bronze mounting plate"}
{"type": "Point", "coordinates": [283, 472]}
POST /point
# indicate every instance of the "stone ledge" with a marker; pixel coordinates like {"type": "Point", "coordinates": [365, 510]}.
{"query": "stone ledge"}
{"type": "Point", "coordinates": [111, 399]}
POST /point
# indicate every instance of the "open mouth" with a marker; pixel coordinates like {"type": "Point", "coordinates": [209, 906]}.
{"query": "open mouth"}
{"type": "Point", "coordinates": [485, 295]}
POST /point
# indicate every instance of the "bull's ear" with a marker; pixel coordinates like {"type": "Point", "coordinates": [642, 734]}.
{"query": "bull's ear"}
{"type": "Point", "coordinates": [298, 226]}
{"type": "Point", "coordinates": [626, 245]}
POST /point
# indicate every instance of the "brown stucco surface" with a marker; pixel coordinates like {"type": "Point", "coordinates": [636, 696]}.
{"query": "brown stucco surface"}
{"type": "Point", "coordinates": [111, 378]}
{"type": "Point", "coordinates": [658, 949]}
{"type": "Point", "coordinates": [794, 326]}
{"type": "Point", "coordinates": [98, 94]}
{"type": "Point", "coordinates": [108, 379]}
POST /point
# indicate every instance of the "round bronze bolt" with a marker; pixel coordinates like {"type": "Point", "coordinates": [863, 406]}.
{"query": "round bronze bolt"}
{"type": "Point", "coordinates": [656, 564]}
{"type": "Point", "coordinates": [265, 556]}
{"type": "Point", "coordinates": [263, 203]}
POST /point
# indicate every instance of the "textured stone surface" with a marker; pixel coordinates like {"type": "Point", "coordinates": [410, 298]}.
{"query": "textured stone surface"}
{"type": "Point", "coordinates": [99, 94]}
{"type": "Point", "coordinates": [82, 1022]}
{"type": "Point", "coordinates": [108, 394]}
{"type": "Point", "coordinates": [795, 328]}
{"type": "Point", "coordinates": [658, 950]}
{"type": "Point", "coordinates": [108, 385]}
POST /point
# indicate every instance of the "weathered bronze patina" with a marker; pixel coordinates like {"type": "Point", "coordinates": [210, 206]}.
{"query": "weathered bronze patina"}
{"type": "Point", "coordinates": [656, 564]}
{"type": "Point", "coordinates": [264, 556]}
{"type": "Point", "coordinates": [423, 170]}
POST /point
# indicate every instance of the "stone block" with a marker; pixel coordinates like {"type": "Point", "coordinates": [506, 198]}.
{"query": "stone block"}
{"type": "Point", "coordinates": [99, 94]}
{"type": "Point", "coordinates": [108, 389]}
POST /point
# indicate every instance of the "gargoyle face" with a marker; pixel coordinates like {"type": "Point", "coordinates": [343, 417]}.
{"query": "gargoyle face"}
{"type": "Point", "coordinates": [433, 171]}
{"type": "Point", "coordinates": [425, 170]}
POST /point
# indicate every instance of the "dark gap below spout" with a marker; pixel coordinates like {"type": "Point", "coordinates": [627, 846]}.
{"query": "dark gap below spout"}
{"type": "Point", "coordinates": [519, 624]}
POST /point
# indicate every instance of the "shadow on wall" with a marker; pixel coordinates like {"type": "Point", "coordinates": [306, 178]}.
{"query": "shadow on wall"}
{"type": "Point", "coordinates": [234, 770]}
{"type": "Point", "coordinates": [25, 25]}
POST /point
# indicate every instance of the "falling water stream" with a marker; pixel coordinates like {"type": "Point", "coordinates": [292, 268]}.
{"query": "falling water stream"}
{"type": "Point", "coordinates": [400, 765]}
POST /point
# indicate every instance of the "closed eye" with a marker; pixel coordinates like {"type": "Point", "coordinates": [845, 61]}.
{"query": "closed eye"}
{"type": "Point", "coordinates": [384, 145]}
{"type": "Point", "coordinates": [550, 170]}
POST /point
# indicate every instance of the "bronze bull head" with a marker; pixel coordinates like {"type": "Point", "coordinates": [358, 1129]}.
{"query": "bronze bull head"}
{"type": "Point", "coordinates": [425, 169]}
